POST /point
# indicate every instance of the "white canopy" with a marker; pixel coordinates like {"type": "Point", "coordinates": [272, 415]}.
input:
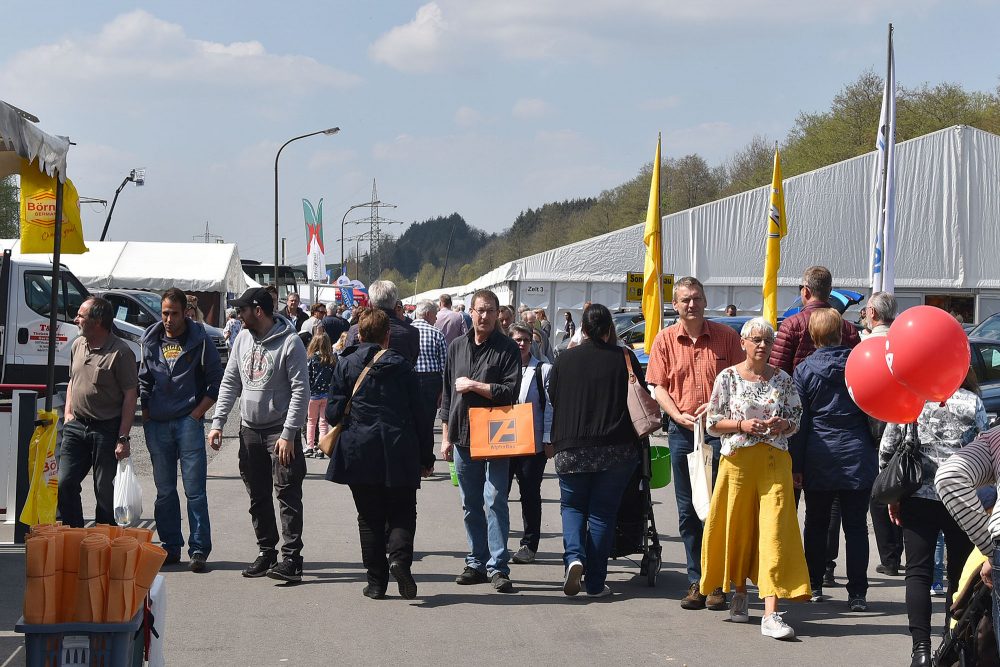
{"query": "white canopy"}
{"type": "Point", "coordinates": [193, 267]}
{"type": "Point", "coordinates": [24, 138]}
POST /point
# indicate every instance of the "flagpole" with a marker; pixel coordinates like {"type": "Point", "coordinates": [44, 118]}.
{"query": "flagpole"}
{"type": "Point", "coordinates": [883, 194]}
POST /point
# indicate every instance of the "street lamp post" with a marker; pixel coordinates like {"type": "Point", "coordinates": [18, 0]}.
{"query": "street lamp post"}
{"type": "Point", "coordinates": [137, 176]}
{"type": "Point", "coordinates": [343, 221]}
{"type": "Point", "coordinates": [330, 131]}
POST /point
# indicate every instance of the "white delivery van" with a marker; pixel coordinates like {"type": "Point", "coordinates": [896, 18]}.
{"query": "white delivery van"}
{"type": "Point", "coordinates": [25, 298]}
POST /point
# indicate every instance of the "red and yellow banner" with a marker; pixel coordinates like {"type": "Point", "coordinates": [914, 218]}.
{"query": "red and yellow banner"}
{"type": "Point", "coordinates": [38, 213]}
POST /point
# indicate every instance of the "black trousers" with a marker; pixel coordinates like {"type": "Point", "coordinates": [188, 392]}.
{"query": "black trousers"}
{"type": "Point", "coordinates": [261, 472]}
{"type": "Point", "coordinates": [387, 522]}
{"type": "Point", "coordinates": [854, 516]}
{"type": "Point", "coordinates": [833, 533]}
{"type": "Point", "coordinates": [529, 471]}
{"type": "Point", "coordinates": [430, 394]}
{"type": "Point", "coordinates": [888, 536]}
{"type": "Point", "coordinates": [922, 519]}
{"type": "Point", "coordinates": [87, 444]}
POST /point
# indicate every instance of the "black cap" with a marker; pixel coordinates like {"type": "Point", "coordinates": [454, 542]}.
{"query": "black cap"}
{"type": "Point", "coordinates": [255, 296]}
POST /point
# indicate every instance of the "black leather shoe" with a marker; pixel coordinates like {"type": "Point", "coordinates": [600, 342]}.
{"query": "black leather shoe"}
{"type": "Point", "coordinates": [921, 656]}
{"type": "Point", "coordinates": [407, 586]}
{"type": "Point", "coordinates": [263, 563]}
{"type": "Point", "coordinates": [471, 576]}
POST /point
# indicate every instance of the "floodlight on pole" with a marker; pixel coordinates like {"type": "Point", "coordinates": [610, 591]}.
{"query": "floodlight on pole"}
{"type": "Point", "coordinates": [330, 131]}
{"type": "Point", "coordinates": [137, 176]}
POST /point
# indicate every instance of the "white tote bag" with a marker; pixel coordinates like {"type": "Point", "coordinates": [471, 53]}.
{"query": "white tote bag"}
{"type": "Point", "coordinates": [700, 471]}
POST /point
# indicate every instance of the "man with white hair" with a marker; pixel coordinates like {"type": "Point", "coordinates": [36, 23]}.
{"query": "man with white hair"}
{"type": "Point", "coordinates": [432, 358]}
{"type": "Point", "coordinates": [402, 336]}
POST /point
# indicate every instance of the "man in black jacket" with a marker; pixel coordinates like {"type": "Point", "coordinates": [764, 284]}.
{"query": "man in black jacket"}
{"type": "Point", "coordinates": [403, 337]}
{"type": "Point", "coordinates": [483, 370]}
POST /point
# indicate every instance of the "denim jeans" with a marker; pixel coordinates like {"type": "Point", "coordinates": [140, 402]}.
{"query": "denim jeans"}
{"type": "Point", "coordinates": [183, 440]}
{"type": "Point", "coordinates": [87, 444]}
{"type": "Point", "coordinates": [483, 487]}
{"type": "Point", "coordinates": [589, 504]}
{"type": "Point", "coordinates": [681, 442]}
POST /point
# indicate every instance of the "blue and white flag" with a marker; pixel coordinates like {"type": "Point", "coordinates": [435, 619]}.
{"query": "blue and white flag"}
{"type": "Point", "coordinates": [883, 259]}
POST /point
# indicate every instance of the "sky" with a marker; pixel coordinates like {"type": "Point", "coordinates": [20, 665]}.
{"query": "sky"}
{"type": "Point", "coordinates": [478, 107]}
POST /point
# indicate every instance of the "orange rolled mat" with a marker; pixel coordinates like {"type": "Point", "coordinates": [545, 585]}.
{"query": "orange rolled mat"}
{"type": "Point", "coordinates": [72, 537]}
{"type": "Point", "coordinates": [92, 591]}
{"type": "Point", "coordinates": [41, 601]}
{"type": "Point", "coordinates": [140, 534]}
{"type": "Point", "coordinates": [100, 529]}
{"type": "Point", "coordinates": [121, 582]}
{"type": "Point", "coordinates": [151, 557]}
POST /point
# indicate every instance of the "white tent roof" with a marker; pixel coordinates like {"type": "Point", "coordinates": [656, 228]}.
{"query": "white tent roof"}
{"type": "Point", "coordinates": [28, 141]}
{"type": "Point", "coordinates": [193, 267]}
{"type": "Point", "coordinates": [947, 210]}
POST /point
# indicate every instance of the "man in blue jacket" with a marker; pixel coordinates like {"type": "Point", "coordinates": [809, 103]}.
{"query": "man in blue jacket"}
{"type": "Point", "coordinates": [178, 382]}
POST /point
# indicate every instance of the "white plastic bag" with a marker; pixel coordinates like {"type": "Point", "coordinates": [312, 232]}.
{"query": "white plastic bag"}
{"type": "Point", "coordinates": [128, 495]}
{"type": "Point", "coordinates": [700, 471]}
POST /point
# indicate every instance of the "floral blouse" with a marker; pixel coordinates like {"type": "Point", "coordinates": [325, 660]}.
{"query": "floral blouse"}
{"type": "Point", "coordinates": [736, 398]}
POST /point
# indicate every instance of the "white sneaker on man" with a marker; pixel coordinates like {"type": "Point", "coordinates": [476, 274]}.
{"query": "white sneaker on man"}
{"type": "Point", "coordinates": [772, 625]}
{"type": "Point", "coordinates": [738, 608]}
{"type": "Point", "coordinates": [573, 574]}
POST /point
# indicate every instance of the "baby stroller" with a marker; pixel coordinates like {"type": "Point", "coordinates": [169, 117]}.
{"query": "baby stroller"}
{"type": "Point", "coordinates": [635, 532]}
{"type": "Point", "coordinates": [970, 640]}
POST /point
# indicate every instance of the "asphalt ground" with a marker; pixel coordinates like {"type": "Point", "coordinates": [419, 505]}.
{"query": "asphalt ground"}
{"type": "Point", "coordinates": [220, 618]}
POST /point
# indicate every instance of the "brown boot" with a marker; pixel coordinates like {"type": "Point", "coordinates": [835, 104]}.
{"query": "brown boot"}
{"type": "Point", "coordinates": [694, 599]}
{"type": "Point", "coordinates": [716, 601]}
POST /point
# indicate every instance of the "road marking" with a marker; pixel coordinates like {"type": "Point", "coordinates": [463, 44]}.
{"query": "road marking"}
{"type": "Point", "coordinates": [13, 655]}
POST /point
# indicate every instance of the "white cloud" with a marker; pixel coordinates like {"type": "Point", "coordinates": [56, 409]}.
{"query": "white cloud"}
{"type": "Point", "coordinates": [467, 117]}
{"type": "Point", "coordinates": [138, 51]}
{"type": "Point", "coordinates": [416, 46]}
{"type": "Point", "coordinates": [530, 107]}
{"type": "Point", "coordinates": [451, 33]}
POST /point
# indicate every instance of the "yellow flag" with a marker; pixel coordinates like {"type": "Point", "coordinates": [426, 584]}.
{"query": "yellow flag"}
{"type": "Point", "coordinates": [38, 213]}
{"type": "Point", "coordinates": [652, 238]}
{"type": "Point", "coordinates": [777, 228]}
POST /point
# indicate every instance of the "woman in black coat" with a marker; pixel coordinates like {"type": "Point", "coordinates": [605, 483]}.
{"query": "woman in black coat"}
{"type": "Point", "coordinates": [833, 458]}
{"type": "Point", "coordinates": [385, 447]}
{"type": "Point", "coordinates": [596, 447]}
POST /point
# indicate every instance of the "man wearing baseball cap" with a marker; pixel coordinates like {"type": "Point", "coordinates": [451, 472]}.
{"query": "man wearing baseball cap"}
{"type": "Point", "coordinates": [268, 371]}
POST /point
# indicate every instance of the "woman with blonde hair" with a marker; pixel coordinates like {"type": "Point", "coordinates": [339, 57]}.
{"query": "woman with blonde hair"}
{"type": "Point", "coordinates": [322, 361]}
{"type": "Point", "coordinates": [752, 531]}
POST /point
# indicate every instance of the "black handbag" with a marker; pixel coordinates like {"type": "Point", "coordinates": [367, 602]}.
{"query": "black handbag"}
{"type": "Point", "coordinates": [905, 472]}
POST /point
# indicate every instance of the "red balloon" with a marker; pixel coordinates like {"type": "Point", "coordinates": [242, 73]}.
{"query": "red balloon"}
{"type": "Point", "coordinates": [873, 387]}
{"type": "Point", "coordinates": [927, 351]}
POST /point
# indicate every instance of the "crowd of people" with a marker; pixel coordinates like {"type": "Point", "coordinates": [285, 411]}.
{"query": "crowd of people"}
{"type": "Point", "coordinates": [772, 406]}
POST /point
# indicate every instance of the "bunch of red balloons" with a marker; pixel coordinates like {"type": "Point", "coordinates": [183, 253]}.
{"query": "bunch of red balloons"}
{"type": "Point", "coordinates": [924, 357]}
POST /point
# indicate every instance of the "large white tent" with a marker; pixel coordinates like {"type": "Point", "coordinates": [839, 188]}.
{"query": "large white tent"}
{"type": "Point", "coordinates": [212, 270]}
{"type": "Point", "coordinates": [947, 215]}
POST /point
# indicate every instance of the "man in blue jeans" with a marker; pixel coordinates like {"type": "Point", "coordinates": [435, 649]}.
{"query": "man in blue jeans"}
{"type": "Point", "coordinates": [178, 383]}
{"type": "Point", "coordinates": [483, 370]}
{"type": "Point", "coordinates": [683, 363]}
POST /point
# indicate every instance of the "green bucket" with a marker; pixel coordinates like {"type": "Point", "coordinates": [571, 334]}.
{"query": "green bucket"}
{"type": "Point", "coordinates": [659, 467]}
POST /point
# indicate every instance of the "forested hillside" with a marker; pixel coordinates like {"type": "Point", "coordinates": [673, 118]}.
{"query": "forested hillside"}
{"type": "Point", "coordinates": [817, 139]}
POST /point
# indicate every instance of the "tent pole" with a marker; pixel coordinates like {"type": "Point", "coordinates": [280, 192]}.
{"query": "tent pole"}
{"type": "Point", "coordinates": [54, 296]}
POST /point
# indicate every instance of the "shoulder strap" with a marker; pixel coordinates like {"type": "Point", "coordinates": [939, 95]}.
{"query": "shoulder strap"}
{"type": "Point", "coordinates": [347, 409]}
{"type": "Point", "coordinates": [628, 364]}
{"type": "Point", "coordinates": [539, 385]}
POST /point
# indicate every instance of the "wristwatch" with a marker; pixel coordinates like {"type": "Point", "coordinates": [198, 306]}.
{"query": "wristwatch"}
{"type": "Point", "coordinates": [124, 439]}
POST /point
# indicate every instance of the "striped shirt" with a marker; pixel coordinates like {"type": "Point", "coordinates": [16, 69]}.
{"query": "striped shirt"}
{"type": "Point", "coordinates": [433, 349]}
{"type": "Point", "coordinates": [975, 465]}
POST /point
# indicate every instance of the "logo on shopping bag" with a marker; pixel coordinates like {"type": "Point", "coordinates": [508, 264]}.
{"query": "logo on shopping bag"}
{"type": "Point", "coordinates": [503, 432]}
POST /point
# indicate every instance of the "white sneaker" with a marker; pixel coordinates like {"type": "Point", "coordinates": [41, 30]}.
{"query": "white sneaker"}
{"type": "Point", "coordinates": [772, 625]}
{"type": "Point", "coordinates": [738, 610]}
{"type": "Point", "coordinates": [573, 574]}
{"type": "Point", "coordinates": [603, 594]}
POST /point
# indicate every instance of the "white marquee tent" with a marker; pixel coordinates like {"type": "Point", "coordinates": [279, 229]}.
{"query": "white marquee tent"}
{"type": "Point", "coordinates": [947, 215]}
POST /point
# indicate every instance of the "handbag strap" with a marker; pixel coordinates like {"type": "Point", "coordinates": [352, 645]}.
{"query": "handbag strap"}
{"type": "Point", "coordinates": [364, 372]}
{"type": "Point", "coordinates": [628, 366]}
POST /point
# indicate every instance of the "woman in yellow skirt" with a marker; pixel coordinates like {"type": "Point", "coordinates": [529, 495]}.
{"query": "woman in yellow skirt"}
{"type": "Point", "coordinates": [752, 531]}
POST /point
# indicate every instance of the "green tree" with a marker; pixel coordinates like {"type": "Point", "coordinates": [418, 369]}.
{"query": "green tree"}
{"type": "Point", "coordinates": [10, 209]}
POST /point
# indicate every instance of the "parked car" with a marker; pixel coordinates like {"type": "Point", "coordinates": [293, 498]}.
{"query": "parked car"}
{"type": "Point", "coordinates": [986, 364]}
{"type": "Point", "coordinates": [141, 308]}
{"type": "Point", "coordinates": [988, 328]}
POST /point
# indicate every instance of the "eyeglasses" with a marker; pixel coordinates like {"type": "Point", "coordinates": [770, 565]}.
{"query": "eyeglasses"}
{"type": "Point", "coordinates": [483, 312]}
{"type": "Point", "coordinates": [757, 340]}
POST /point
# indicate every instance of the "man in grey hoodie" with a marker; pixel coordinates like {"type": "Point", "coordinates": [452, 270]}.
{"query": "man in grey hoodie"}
{"type": "Point", "coordinates": [268, 370]}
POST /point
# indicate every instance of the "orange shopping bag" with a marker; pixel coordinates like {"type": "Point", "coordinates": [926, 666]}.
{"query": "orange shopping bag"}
{"type": "Point", "coordinates": [507, 430]}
